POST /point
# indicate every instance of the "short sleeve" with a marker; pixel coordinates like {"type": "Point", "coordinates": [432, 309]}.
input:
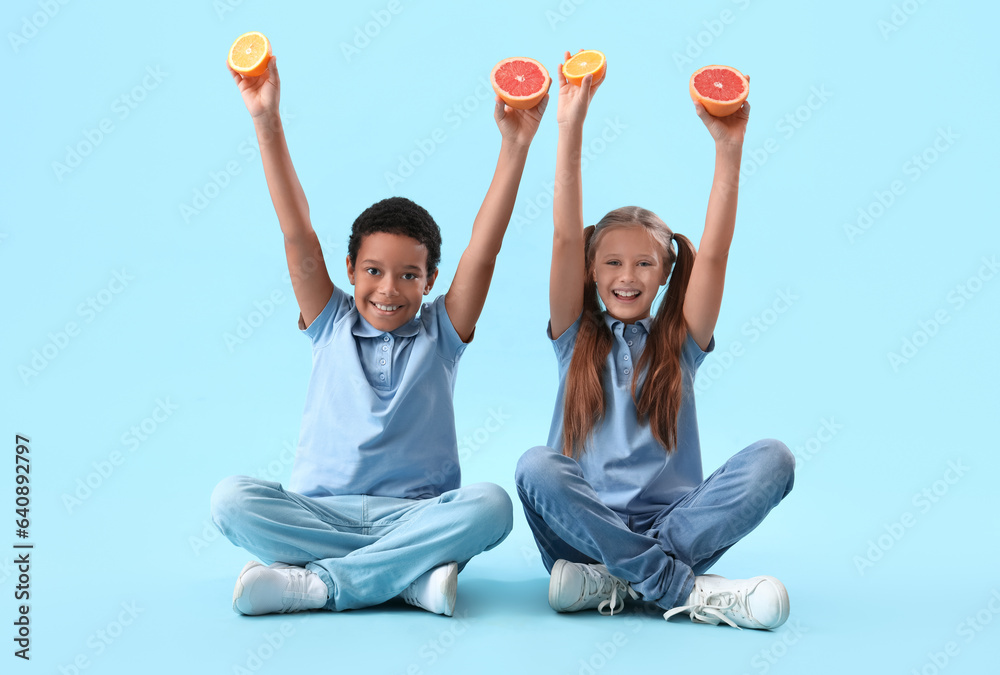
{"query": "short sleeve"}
{"type": "Point", "coordinates": [692, 354]}
{"type": "Point", "coordinates": [564, 343]}
{"type": "Point", "coordinates": [321, 329]}
{"type": "Point", "coordinates": [449, 343]}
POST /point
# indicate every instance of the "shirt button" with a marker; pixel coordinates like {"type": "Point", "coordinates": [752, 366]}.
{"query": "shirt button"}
{"type": "Point", "coordinates": [382, 376]}
{"type": "Point", "coordinates": [634, 329]}
{"type": "Point", "coordinates": [626, 371]}
{"type": "Point", "coordinates": [626, 357]}
{"type": "Point", "coordinates": [382, 362]}
{"type": "Point", "coordinates": [629, 343]}
{"type": "Point", "coordinates": [385, 348]}
{"type": "Point", "coordinates": [386, 338]}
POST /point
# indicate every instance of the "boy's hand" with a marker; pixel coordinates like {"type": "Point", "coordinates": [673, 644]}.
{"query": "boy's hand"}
{"type": "Point", "coordinates": [727, 131]}
{"type": "Point", "coordinates": [574, 100]}
{"type": "Point", "coordinates": [261, 93]}
{"type": "Point", "coordinates": [518, 126]}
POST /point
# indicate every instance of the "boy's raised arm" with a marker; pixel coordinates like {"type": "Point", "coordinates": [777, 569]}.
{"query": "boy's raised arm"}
{"type": "Point", "coordinates": [467, 294]}
{"type": "Point", "coordinates": [310, 279]}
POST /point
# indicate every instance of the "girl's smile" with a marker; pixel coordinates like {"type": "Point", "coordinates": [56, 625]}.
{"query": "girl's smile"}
{"type": "Point", "coordinates": [628, 270]}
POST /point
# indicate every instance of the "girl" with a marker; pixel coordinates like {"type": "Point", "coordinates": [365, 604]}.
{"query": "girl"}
{"type": "Point", "coordinates": [616, 499]}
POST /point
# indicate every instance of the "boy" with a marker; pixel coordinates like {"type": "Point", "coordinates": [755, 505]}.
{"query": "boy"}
{"type": "Point", "coordinates": [374, 509]}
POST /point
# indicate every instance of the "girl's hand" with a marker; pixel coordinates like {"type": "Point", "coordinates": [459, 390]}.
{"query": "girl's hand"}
{"type": "Point", "coordinates": [574, 100]}
{"type": "Point", "coordinates": [260, 94]}
{"type": "Point", "coordinates": [518, 126]}
{"type": "Point", "coordinates": [729, 130]}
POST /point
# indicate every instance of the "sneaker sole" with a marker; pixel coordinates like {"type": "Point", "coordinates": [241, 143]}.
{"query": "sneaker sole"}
{"type": "Point", "coordinates": [784, 608]}
{"type": "Point", "coordinates": [555, 581]}
{"type": "Point", "coordinates": [238, 591]}
{"type": "Point", "coordinates": [449, 587]}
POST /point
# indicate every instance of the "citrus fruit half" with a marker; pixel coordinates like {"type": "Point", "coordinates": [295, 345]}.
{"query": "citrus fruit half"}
{"type": "Point", "coordinates": [521, 82]}
{"type": "Point", "coordinates": [720, 89]}
{"type": "Point", "coordinates": [583, 62]}
{"type": "Point", "coordinates": [249, 54]}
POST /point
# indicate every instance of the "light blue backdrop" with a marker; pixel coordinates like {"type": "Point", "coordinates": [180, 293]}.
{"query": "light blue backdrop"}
{"type": "Point", "coordinates": [859, 322]}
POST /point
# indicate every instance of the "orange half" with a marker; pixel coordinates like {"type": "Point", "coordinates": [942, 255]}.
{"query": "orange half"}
{"type": "Point", "coordinates": [249, 54]}
{"type": "Point", "coordinates": [584, 62]}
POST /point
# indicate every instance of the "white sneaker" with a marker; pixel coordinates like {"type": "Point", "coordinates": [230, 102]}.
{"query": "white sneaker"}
{"type": "Point", "coordinates": [434, 590]}
{"type": "Point", "coordinates": [277, 589]}
{"type": "Point", "coordinates": [761, 602]}
{"type": "Point", "coordinates": [576, 586]}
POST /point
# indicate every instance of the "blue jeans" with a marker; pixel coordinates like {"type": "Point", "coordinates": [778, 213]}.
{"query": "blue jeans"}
{"type": "Point", "coordinates": [366, 549]}
{"type": "Point", "coordinates": [658, 553]}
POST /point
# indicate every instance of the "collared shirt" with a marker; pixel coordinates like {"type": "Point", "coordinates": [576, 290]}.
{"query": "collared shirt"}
{"type": "Point", "coordinates": [379, 417]}
{"type": "Point", "coordinates": [631, 472]}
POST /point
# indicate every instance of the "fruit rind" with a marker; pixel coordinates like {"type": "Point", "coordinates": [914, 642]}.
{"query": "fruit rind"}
{"type": "Point", "coordinates": [261, 66]}
{"type": "Point", "coordinates": [717, 108]}
{"type": "Point", "coordinates": [520, 102]}
{"type": "Point", "coordinates": [598, 75]}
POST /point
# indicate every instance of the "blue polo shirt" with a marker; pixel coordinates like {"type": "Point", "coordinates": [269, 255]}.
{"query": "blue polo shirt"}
{"type": "Point", "coordinates": [379, 417]}
{"type": "Point", "coordinates": [631, 472]}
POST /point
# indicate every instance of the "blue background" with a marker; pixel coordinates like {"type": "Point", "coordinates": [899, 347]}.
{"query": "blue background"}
{"type": "Point", "coordinates": [847, 98]}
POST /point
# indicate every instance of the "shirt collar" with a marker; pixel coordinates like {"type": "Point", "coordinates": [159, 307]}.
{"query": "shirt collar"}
{"type": "Point", "coordinates": [362, 328]}
{"type": "Point", "coordinates": [611, 321]}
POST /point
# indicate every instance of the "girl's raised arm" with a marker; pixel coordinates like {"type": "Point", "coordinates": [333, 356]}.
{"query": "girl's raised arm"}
{"type": "Point", "coordinates": [703, 299]}
{"type": "Point", "coordinates": [568, 265]}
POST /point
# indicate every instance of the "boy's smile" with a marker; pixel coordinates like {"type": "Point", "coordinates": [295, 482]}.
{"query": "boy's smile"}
{"type": "Point", "coordinates": [389, 279]}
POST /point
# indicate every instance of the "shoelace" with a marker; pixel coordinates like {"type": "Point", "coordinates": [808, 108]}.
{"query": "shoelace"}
{"type": "Point", "coordinates": [295, 589]}
{"type": "Point", "coordinates": [707, 612]}
{"type": "Point", "coordinates": [597, 583]}
{"type": "Point", "coordinates": [409, 595]}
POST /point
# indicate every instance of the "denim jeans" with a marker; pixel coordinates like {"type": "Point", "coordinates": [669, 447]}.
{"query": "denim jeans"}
{"type": "Point", "coordinates": [658, 553]}
{"type": "Point", "coordinates": [367, 549]}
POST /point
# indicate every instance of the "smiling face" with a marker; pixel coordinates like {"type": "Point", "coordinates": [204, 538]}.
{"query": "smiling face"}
{"type": "Point", "coordinates": [390, 279]}
{"type": "Point", "coordinates": [628, 267]}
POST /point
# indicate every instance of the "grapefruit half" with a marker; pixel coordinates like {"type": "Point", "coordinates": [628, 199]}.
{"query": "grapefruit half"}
{"type": "Point", "coordinates": [249, 54]}
{"type": "Point", "coordinates": [521, 82]}
{"type": "Point", "coordinates": [721, 89]}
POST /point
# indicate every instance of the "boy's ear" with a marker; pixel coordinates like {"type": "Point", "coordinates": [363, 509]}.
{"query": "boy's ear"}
{"type": "Point", "coordinates": [430, 282]}
{"type": "Point", "coordinates": [350, 270]}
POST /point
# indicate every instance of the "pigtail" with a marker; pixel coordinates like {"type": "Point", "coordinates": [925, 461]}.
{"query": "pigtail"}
{"type": "Point", "coordinates": [584, 404]}
{"type": "Point", "coordinates": [660, 398]}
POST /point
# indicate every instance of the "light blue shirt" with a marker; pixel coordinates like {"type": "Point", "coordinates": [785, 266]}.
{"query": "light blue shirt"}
{"type": "Point", "coordinates": [631, 472]}
{"type": "Point", "coordinates": [379, 417]}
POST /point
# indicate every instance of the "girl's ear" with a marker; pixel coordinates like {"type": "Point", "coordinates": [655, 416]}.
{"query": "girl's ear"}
{"type": "Point", "coordinates": [667, 269]}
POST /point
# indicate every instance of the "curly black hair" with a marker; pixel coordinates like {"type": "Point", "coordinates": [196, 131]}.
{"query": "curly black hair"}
{"type": "Point", "coordinates": [397, 215]}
